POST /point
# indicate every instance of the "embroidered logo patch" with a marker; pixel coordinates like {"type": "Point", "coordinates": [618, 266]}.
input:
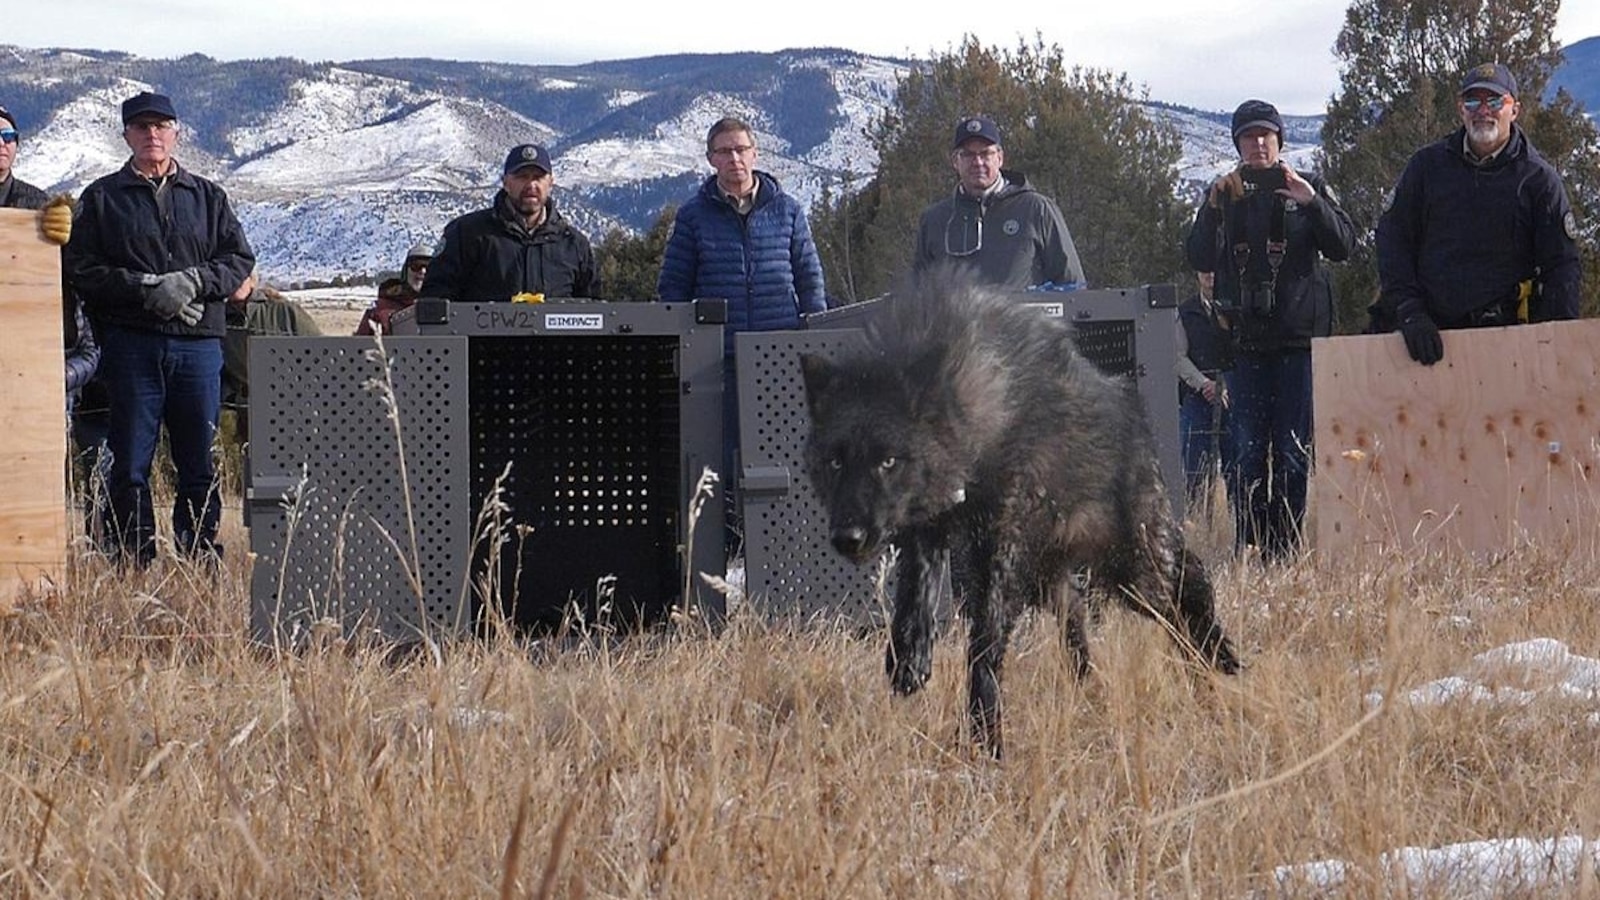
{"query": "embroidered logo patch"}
{"type": "Point", "coordinates": [1570, 225]}
{"type": "Point", "coordinates": [1011, 227]}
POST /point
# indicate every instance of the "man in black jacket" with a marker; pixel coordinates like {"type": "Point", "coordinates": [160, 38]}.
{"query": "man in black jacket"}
{"type": "Point", "coordinates": [1479, 232]}
{"type": "Point", "coordinates": [995, 228]}
{"type": "Point", "coordinates": [14, 192]}
{"type": "Point", "coordinates": [55, 223]}
{"type": "Point", "coordinates": [154, 252]}
{"type": "Point", "coordinates": [1264, 230]}
{"type": "Point", "coordinates": [519, 245]}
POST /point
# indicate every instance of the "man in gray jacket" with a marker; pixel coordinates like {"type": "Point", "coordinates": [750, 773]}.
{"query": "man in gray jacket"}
{"type": "Point", "coordinates": [995, 227]}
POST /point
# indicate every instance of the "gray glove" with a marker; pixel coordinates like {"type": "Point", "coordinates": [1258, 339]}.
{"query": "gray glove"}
{"type": "Point", "coordinates": [192, 312]}
{"type": "Point", "coordinates": [167, 294]}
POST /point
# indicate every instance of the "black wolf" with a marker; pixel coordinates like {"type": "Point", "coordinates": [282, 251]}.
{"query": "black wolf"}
{"type": "Point", "coordinates": [968, 423]}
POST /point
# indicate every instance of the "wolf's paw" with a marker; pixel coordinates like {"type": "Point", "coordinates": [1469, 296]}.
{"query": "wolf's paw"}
{"type": "Point", "coordinates": [908, 670]}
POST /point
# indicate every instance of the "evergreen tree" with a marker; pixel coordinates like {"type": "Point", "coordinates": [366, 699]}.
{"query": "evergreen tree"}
{"type": "Point", "coordinates": [1402, 62]}
{"type": "Point", "coordinates": [1080, 135]}
{"type": "Point", "coordinates": [629, 263]}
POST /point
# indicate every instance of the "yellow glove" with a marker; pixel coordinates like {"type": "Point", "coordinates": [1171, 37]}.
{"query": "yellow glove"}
{"type": "Point", "coordinates": [55, 219]}
{"type": "Point", "coordinates": [526, 297]}
{"type": "Point", "coordinates": [1230, 186]}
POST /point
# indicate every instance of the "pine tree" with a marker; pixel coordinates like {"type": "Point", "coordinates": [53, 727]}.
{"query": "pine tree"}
{"type": "Point", "coordinates": [629, 263]}
{"type": "Point", "coordinates": [1401, 69]}
{"type": "Point", "coordinates": [1080, 135]}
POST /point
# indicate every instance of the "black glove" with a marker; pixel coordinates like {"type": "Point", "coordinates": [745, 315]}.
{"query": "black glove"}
{"type": "Point", "coordinates": [167, 294]}
{"type": "Point", "coordinates": [1422, 336]}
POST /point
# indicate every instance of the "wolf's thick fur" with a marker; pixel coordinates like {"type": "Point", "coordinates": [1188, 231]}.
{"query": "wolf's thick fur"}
{"type": "Point", "coordinates": [971, 424]}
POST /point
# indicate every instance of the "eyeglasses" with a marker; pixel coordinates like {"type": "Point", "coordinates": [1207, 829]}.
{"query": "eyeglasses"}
{"type": "Point", "coordinates": [162, 125]}
{"type": "Point", "coordinates": [1495, 103]}
{"type": "Point", "coordinates": [730, 152]}
{"type": "Point", "coordinates": [987, 154]}
{"type": "Point", "coordinates": [417, 267]}
{"type": "Point", "coordinates": [8, 135]}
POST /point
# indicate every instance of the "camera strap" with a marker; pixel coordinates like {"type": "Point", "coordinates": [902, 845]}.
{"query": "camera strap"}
{"type": "Point", "coordinates": [1277, 240]}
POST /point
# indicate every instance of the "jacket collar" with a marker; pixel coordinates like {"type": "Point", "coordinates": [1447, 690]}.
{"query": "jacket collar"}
{"type": "Point", "coordinates": [508, 216]}
{"type": "Point", "coordinates": [129, 177]}
{"type": "Point", "coordinates": [766, 189]}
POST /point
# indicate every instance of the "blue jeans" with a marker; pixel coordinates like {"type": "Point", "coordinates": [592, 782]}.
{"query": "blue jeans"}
{"type": "Point", "coordinates": [1271, 421]}
{"type": "Point", "coordinates": [154, 379]}
{"type": "Point", "coordinates": [1207, 444]}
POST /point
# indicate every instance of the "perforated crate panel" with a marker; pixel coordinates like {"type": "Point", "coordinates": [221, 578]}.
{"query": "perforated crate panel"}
{"type": "Point", "coordinates": [790, 568]}
{"type": "Point", "coordinates": [591, 429]}
{"type": "Point", "coordinates": [331, 509]}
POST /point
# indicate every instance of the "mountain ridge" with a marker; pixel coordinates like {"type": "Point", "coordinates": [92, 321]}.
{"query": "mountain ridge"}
{"type": "Point", "coordinates": [336, 168]}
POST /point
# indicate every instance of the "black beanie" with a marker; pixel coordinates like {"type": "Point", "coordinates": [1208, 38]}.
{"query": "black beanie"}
{"type": "Point", "coordinates": [1257, 114]}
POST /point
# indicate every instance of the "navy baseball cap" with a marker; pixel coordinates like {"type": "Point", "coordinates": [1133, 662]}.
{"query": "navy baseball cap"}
{"type": "Point", "coordinates": [6, 114]}
{"type": "Point", "coordinates": [145, 103]}
{"type": "Point", "coordinates": [981, 127]}
{"type": "Point", "coordinates": [1490, 76]}
{"type": "Point", "coordinates": [524, 155]}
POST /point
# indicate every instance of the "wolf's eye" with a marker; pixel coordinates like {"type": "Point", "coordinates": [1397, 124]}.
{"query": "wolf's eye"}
{"type": "Point", "coordinates": [888, 463]}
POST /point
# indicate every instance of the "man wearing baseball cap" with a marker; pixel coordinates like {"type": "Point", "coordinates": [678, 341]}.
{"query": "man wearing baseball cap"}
{"type": "Point", "coordinates": [55, 218]}
{"type": "Point", "coordinates": [519, 245]}
{"type": "Point", "coordinates": [1479, 231]}
{"type": "Point", "coordinates": [155, 252]}
{"type": "Point", "coordinates": [994, 227]}
{"type": "Point", "coordinates": [14, 192]}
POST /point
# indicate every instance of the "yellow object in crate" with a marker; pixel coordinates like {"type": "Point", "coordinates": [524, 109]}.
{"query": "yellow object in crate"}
{"type": "Point", "coordinates": [526, 297]}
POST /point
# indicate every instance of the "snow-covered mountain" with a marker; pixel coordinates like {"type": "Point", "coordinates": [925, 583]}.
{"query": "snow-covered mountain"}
{"type": "Point", "coordinates": [335, 169]}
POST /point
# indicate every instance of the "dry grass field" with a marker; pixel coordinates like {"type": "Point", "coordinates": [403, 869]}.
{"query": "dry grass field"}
{"type": "Point", "coordinates": [147, 749]}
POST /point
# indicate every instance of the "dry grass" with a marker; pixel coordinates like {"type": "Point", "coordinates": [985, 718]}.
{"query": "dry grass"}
{"type": "Point", "coordinates": [147, 749]}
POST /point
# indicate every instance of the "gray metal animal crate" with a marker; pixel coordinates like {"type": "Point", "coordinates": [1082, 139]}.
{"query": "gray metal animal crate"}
{"type": "Point", "coordinates": [586, 425]}
{"type": "Point", "coordinates": [790, 569]}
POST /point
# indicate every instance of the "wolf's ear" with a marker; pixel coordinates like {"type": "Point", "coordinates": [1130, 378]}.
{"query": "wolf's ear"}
{"type": "Point", "coordinates": [819, 376]}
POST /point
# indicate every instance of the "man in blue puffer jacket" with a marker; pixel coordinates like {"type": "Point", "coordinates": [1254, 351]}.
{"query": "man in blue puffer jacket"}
{"type": "Point", "coordinates": [741, 239]}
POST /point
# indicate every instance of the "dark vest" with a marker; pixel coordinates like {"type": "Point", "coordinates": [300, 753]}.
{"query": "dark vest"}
{"type": "Point", "coordinates": [1210, 347]}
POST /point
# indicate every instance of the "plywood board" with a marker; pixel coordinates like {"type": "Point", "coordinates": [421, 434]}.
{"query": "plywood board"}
{"type": "Point", "coordinates": [1497, 444]}
{"type": "Point", "coordinates": [33, 442]}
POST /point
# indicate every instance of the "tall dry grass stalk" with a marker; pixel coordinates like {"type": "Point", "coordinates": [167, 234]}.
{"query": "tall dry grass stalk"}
{"type": "Point", "coordinates": [148, 749]}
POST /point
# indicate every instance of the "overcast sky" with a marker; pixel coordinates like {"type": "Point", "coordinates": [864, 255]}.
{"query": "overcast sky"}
{"type": "Point", "coordinates": [1209, 55]}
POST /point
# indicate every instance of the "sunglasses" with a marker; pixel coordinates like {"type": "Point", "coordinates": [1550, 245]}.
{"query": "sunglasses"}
{"type": "Point", "coordinates": [8, 135]}
{"type": "Point", "coordinates": [417, 266]}
{"type": "Point", "coordinates": [1495, 104]}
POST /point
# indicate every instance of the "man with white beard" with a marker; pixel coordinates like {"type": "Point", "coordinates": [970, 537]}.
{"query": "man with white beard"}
{"type": "Point", "coordinates": [1479, 231]}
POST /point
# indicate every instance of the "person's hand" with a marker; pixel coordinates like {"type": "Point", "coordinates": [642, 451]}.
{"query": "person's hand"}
{"type": "Point", "coordinates": [1296, 188]}
{"type": "Point", "coordinates": [1225, 189]}
{"type": "Point", "coordinates": [55, 220]}
{"type": "Point", "coordinates": [168, 293]}
{"type": "Point", "coordinates": [1209, 391]}
{"type": "Point", "coordinates": [192, 312]}
{"type": "Point", "coordinates": [1420, 333]}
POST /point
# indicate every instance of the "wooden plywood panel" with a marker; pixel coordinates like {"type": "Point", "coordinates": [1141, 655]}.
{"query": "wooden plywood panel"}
{"type": "Point", "coordinates": [33, 444]}
{"type": "Point", "coordinates": [1498, 443]}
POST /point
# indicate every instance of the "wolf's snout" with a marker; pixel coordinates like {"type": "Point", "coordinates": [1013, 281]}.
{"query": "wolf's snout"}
{"type": "Point", "coordinates": [851, 541]}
